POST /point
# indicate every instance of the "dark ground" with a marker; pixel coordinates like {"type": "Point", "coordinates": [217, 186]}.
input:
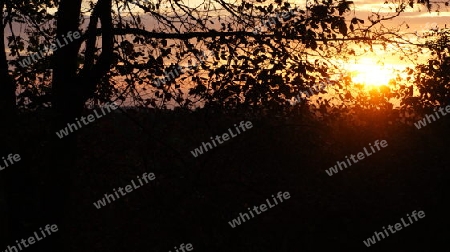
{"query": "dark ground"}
{"type": "Point", "coordinates": [192, 199]}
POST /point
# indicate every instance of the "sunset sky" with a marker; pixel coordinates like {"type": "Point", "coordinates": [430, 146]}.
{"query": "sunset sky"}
{"type": "Point", "coordinates": [372, 68]}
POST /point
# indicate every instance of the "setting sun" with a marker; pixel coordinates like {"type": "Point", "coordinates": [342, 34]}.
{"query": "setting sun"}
{"type": "Point", "coordinates": [369, 73]}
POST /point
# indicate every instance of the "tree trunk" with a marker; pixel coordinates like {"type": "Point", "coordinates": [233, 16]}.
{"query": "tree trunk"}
{"type": "Point", "coordinates": [7, 85]}
{"type": "Point", "coordinates": [7, 126]}
{"type": "Point", "coordinates": [67, 106]}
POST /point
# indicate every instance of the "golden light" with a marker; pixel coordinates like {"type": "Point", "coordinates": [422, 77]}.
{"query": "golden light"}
{"type": "Point", "coordinates": [369, 73]}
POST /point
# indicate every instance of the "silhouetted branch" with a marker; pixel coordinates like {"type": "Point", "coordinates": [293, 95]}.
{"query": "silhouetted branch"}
{"type": "Point", "coordinates": [213, 34]}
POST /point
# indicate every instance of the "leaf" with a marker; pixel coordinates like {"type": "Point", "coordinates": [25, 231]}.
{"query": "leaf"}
{"type": "Point", "coordinates": [313, 44]}
{"type": "Point", "coordinates": [348, 95]}
{"type": "Point", "coordinates": [343, 28]}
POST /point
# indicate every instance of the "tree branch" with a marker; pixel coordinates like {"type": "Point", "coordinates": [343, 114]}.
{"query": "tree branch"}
{"type": "Point", "coordinates": [213, 34]}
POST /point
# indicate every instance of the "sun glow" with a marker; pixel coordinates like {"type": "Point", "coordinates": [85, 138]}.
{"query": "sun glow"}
{"type": "Point", "coordinates": [369, 73]}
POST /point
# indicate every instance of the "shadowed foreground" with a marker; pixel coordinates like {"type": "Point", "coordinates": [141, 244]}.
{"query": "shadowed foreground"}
{"type": "Point", "coordinates": [193, 199]}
